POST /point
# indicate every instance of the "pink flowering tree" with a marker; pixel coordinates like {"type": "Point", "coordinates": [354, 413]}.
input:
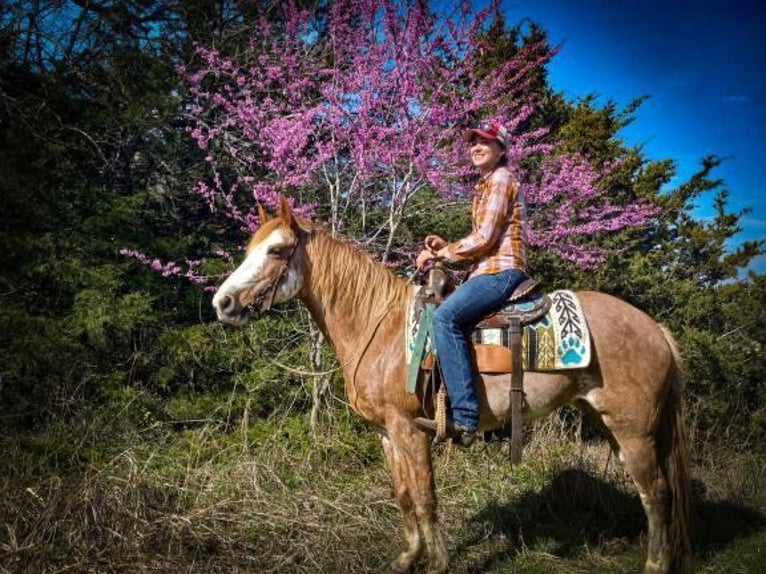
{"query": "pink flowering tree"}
{"type": "Point", "coordinates": [360, 106]}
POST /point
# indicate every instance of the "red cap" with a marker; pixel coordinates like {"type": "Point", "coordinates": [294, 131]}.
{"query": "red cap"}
{"type": "Point", "coordinates": [491, 131]}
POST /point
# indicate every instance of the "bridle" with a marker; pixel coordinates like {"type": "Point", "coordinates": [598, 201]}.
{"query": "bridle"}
{"type": "Point", "coordinates": [271, 292]}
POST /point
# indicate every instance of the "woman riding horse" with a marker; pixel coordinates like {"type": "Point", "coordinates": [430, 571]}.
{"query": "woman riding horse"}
{"type": "Point", "coordinates": [497, 247]}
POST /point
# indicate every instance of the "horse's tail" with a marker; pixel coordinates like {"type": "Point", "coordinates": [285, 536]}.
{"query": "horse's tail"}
{"type": "Point", "coordinates": [673, 449]}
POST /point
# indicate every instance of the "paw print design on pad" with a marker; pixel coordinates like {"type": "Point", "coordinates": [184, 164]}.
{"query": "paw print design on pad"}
{"type": "Point", "coordinates": [571, 351]}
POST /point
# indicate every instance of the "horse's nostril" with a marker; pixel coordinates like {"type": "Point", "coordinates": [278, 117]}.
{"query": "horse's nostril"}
{"type": "Point", "coordinates": [225, 303]}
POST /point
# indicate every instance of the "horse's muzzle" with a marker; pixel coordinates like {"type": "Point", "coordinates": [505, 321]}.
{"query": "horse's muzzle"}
{"type": "Point", "coordinates": [228, 309]}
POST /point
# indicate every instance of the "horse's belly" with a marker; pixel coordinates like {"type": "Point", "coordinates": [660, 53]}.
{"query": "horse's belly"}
{"type": "Point", "coordinates": [544, 392]}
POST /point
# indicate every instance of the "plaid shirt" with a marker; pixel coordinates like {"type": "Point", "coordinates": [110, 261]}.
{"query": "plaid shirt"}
{"type": "Point", "coordinates": [498, 239]}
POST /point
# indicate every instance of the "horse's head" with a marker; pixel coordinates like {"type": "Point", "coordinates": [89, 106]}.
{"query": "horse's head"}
{"type": "Point", "coordinates": [269, 274]}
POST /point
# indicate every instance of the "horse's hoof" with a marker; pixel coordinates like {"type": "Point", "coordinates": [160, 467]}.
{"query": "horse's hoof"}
{"type": "Point", "coordinates": [397, 568]}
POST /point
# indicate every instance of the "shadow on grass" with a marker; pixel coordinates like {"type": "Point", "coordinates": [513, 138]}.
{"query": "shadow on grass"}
{"type": "Point", "coordinates": [718, 523]}
{"type": "Point", "coordinates": [578, 510]}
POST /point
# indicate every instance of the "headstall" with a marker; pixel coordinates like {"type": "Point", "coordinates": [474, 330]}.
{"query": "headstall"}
{"type": "Point", "coordinates": [272, 290]}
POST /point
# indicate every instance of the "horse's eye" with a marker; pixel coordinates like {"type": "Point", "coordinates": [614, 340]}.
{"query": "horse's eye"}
{"type": "Point", "coordinates": [275, 250]}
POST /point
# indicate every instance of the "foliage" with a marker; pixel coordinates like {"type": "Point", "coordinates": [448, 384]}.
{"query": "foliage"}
{"type": "Point", "coordinates": [366, 102]}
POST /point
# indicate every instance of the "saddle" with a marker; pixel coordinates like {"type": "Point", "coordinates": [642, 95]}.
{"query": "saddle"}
{"type": "Point", "coordinates": [526, 305]}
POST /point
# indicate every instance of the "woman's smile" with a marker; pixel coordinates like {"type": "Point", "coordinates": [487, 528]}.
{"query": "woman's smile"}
{"type": "Point", "coordinates": [485, 154]}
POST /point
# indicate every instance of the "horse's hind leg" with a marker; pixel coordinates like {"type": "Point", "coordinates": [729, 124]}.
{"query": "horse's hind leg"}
{"type": "Point", "coordinates": [409, 455]}
{"type": "Point", "coordinates": [639, 455]}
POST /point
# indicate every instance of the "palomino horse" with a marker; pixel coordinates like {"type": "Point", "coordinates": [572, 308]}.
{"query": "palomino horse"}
{"type": "Point", "coordinates": [633, 383]}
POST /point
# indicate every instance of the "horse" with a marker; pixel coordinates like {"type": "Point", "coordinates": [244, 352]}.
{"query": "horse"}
{"type": "Point", "coordinates": [633, 385]}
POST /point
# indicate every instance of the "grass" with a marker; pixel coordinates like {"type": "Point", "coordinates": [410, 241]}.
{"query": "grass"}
{"type": "Point", "coordinates": [270, 497]}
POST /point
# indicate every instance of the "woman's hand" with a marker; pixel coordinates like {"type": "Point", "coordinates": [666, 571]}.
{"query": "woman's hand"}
{"type": "Point", "coordinates": [435, 243]}
{"type": "Point", "coordinates": [424, 257]}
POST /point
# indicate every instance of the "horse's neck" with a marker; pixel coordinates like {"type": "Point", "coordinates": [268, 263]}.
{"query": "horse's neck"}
{"type": "Point", "coordinates": [352, 298]}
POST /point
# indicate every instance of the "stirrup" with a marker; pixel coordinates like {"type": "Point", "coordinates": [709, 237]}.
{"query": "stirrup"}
{"type": "Point", "coordinates": [460, 435]}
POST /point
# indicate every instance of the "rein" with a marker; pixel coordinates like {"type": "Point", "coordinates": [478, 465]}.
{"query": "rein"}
{"type": "Point", "coordinates": [359, 355]}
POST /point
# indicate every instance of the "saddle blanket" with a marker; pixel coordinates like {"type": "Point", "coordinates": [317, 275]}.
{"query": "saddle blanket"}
{"type": "Point", "coordinates": [557, 341]}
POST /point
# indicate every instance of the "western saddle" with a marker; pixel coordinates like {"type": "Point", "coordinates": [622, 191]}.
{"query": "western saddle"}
{"type": "Point", "coordinates": [526, 305]}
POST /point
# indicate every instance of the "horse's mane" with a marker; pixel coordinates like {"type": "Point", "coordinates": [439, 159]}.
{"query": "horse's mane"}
{"type": "Point", "coordinates": [343, 271]}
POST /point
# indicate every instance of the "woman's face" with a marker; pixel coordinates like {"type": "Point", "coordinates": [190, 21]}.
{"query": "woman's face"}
{"type": "Point", "coordinates": [485, 154]}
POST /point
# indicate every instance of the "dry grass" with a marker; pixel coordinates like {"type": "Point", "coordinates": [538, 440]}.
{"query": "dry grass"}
{"type": "Point", "coordinates": [274, 499]}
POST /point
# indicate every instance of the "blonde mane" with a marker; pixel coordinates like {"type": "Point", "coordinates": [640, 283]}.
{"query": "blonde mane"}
{"type": "Point", "coordinates": [342, 271]}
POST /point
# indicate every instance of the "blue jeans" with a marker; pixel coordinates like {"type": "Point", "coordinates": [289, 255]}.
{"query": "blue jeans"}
{"type": "Point", "coordinates": [453, 322]}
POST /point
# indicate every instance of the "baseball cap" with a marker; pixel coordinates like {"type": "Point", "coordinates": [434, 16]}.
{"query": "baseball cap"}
{"type": "Point", "coordinates": [487, 130]}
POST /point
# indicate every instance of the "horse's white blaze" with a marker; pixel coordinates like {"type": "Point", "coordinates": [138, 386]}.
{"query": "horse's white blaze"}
{"type": "Point", "coordinates": [251, 267]}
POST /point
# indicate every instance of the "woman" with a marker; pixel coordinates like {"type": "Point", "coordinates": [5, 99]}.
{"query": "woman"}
{"type": "Point", "coordinates": [496, 247]}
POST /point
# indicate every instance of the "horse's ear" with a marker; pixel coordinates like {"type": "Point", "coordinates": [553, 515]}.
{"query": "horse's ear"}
{"type": "Point", "coordinates": [287, 216]}
{"type": "Point", "coordinates": [263, 217]}
{"type": "Point", "coordinates": [286, 212]}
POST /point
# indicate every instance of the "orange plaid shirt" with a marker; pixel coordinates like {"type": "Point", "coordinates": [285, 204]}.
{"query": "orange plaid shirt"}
{"type": "Point", "coordinates": [498, 239]}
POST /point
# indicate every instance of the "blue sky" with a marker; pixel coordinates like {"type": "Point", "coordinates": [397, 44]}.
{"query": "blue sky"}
{"type": "Point", "coordinates": [702, 63]}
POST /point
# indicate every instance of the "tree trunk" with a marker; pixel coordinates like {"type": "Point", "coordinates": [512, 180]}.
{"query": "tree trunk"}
{"type": "Point", "coordinates": [320, 383]}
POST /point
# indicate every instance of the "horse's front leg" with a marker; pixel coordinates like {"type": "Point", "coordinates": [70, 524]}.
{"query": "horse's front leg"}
{"type": "Point", "coordinates": [407, 557]}
{"type": "Point", "coordinates": [409, 455]}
